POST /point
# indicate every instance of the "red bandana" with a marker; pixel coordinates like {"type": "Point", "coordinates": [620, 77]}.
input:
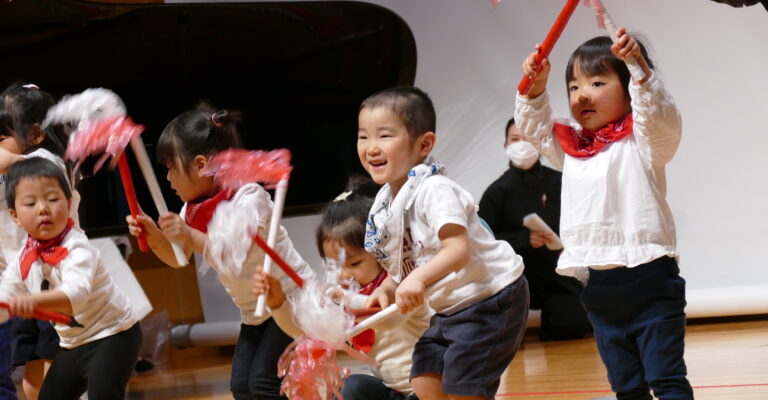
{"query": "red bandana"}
{"type": "Point", "coordinates": [50, 251]}
{"type": "Point", "coordinates": [364, 341]}
{"type": "Point", "coordinates": [589, 143]}
{"type": "Point", "coordinates": [199, 214]}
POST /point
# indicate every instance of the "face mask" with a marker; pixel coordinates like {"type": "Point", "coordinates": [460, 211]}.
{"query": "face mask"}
{"type": "Point", "coordinates": [522, 154]}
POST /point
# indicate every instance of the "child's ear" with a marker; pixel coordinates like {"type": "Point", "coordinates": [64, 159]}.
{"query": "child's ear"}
{"type": "Point", "coordinates": [14, 216]}
{"type": "Point", "coordinates": [426, 143]}
{"type": "Point", "coordinates": [38, 134]}
{"type": "Point", "coordinates": [200, 163]}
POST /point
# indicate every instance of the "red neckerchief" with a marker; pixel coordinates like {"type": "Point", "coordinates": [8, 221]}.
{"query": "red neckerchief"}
{"type": "Point", "coordinates": [50, 251]}
{"type": "Point", "coordinates": [364, 341]}
{"type": "Point", "coordinates": [199, 213]}
{"type": "Point", "coordinates": [589, 143]}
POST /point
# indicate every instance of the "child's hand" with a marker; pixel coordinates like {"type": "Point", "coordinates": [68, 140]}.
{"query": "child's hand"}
{"type": "Point", "coordinates": [627, 46]}
{"type": "Point", "coordinates": [539, 238]}
{"type": "Point", "coordinates": [174, 228]}
{"type": "Point", "coordinates": [410, 294]}
{"type": "Point", "coordinates": [265, 284]}
{"type": "Point", "coordinates": [142, 223]}
{"type": "Point", "coordinates": [530, 68]}
{"type": "Point", "coordinates": [24, 305]}
{"type": "Point", "coordinates": [380, 297]}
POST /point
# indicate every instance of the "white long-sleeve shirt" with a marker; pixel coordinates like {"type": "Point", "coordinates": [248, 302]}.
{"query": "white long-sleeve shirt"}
{"type": "Point", "coordinates": [614, 208]}
{"type": "Point", "coordinates": [234, 256]}
{"type": "Point", "coordinates": [97, 303]}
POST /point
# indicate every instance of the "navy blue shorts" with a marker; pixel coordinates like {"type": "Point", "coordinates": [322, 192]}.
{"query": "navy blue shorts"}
{"type": "Point", "coordinates": [471, 348]}
{"type": "Point", "coordinates": [33, 340]}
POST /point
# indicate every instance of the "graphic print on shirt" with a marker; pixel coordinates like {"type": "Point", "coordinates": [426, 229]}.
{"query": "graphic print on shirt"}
{"type": "Point", "coordinates": [409, 262]}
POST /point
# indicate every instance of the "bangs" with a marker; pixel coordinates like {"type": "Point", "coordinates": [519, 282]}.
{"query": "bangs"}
{"type": "Point", "coordinates": [350, 232]}
{"type": "Point", "coordinates": [168, 149]}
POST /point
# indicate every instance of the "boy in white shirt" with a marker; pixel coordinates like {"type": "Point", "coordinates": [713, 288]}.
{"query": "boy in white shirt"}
{"type": "Point", "coordinates": [59, 270]}
{"type": "Point", "coordinates": [422, 227]}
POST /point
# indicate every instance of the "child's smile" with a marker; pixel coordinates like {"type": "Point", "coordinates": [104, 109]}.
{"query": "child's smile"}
{"type": "Point", "coordinates": [385, 147]}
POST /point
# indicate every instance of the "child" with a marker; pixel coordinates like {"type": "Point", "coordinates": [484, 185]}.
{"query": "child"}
{"type": "Point", "coordinates": [616, 226]}
{"type": "Point", "coordinates": [422, 226]}
{"type": "Point", "coordinates": [185, 147]}
{"type": "Point", "coordinates": [59, 270]}
{"type": "Point", "coordinates": [343, 227]}
{"type": "Point", "coordinates": [22, 111]}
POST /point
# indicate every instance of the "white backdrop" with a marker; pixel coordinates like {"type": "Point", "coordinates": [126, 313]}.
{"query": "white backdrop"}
{"type": "Point", "coordinates": [713, 59]}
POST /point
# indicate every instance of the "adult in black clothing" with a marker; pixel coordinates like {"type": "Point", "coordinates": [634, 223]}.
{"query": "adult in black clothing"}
{"type": "Point", "coordinates": [529, 187]}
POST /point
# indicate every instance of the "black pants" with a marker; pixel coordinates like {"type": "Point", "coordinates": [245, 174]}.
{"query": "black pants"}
{"type": "Point", "coordinates": [102, 368]}
{"type": "Point", "coordinates": [254, 365]}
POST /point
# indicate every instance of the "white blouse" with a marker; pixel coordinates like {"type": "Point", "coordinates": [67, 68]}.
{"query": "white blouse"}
{"type": "Point", "coordinates": [614, 208]}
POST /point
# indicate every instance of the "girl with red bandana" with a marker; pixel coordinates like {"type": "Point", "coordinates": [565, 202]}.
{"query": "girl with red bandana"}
{"type": "Point", "coordinates": [616, 226]}
{"type": "Point", "coordinates": [219, 224]}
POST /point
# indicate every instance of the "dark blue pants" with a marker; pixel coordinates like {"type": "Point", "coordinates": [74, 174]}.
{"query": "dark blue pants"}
{"type": "Point", "coordinates": [7, 388]}
{"type": "Point", "coordinates": [367, 387]}
{"type": "Point", "coordinates": [639, 323]}
{"type": "Point", "coordinates": [254, 365]}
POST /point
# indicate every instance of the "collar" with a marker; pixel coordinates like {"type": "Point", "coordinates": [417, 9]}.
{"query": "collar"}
{"type": "Point", "coordinates": [200, 212]}
{"type": "Point", "coordinates": [49, 251]}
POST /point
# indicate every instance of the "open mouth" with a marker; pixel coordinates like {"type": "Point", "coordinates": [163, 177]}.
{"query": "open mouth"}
{"type": "Point", "coordinates": [377, 164]}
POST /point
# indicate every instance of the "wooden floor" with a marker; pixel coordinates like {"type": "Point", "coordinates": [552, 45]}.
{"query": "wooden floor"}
{"type": "Point", "coordinates": [726, 361]}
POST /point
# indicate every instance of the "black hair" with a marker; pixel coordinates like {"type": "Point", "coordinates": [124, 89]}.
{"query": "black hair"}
{"type": "Point", "coordinates": [594, 57]}
{"type": "Point", "coordinates": [32, 168]}
{"type": "Point", "coordinates": [22, 111]}
{"type": "Point", "coordinates": [411, 104]}
{"type": "Point", "coordinates": [344, 219]}
{"type": "Point", "coordinates": [202, 131]}
{"type": "Point", "coordinates": [506, 129]}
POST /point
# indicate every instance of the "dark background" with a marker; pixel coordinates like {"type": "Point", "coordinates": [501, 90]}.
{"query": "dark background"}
{"type": "Point", "coordinates": [298, 72]}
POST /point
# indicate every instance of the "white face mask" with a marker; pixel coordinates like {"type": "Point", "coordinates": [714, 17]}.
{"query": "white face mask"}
{"type": "Point", "coordinates": [522, 154]}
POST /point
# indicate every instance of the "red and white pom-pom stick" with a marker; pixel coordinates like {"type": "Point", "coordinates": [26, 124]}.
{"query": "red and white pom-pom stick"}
{"type": "Point", "coordinates": [43, 315]}
{"type": "Point", "coordinates": [109, 137]}
{"type": "Point", "coordinates": [495, 3]}
{"type": "Point", "coordinates": [137, 145]}
{"type": "Point", "coordinates": [236, 167]}
{"type": "Point", "coordinates": [549, 43]}
{"type": "Point", "coordinates": [279, 261]}
{"type": "Point", "coordinates": [604, 21]}
{"type": "Point", "coordinates": [382, 315]}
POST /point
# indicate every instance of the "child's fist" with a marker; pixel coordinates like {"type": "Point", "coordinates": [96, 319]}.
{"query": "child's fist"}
{"type": "Point", "coordinates": [265, 284]}
{"type": "Point", "coordinates": [140, 224]}
{"type": "Point", "coordinates": [539, 73]}
{"type": "Point", "coordinates": [24, 305]}
{"type": "Point", "coordinates": [174, 228]}
{"type": "Point", "coordinates": [409, 294]}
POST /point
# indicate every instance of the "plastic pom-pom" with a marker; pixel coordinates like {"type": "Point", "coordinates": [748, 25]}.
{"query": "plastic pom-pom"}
{"type": "Point", "coordinates": [309, 364]}
{"type": "Point", "coordinates": [235, 167]}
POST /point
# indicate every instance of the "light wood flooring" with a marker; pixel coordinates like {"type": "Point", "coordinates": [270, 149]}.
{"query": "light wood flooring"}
{"type": "Point", "coordinates": [726, 361]}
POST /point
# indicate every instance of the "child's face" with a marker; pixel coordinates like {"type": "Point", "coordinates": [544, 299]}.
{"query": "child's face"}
{"type": "Point", "coordinates": [42, 208]}
{"type": "Point", "coordinates": [358, 265]}
{"type": "Point", "coordinates": [10, 143]}
{"type": "Point", "coordinates": [385, 148]}
{"type": "Point", "coordinates": [190, 184]}
{"type": "Point", "coordinates": [597, 100]}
